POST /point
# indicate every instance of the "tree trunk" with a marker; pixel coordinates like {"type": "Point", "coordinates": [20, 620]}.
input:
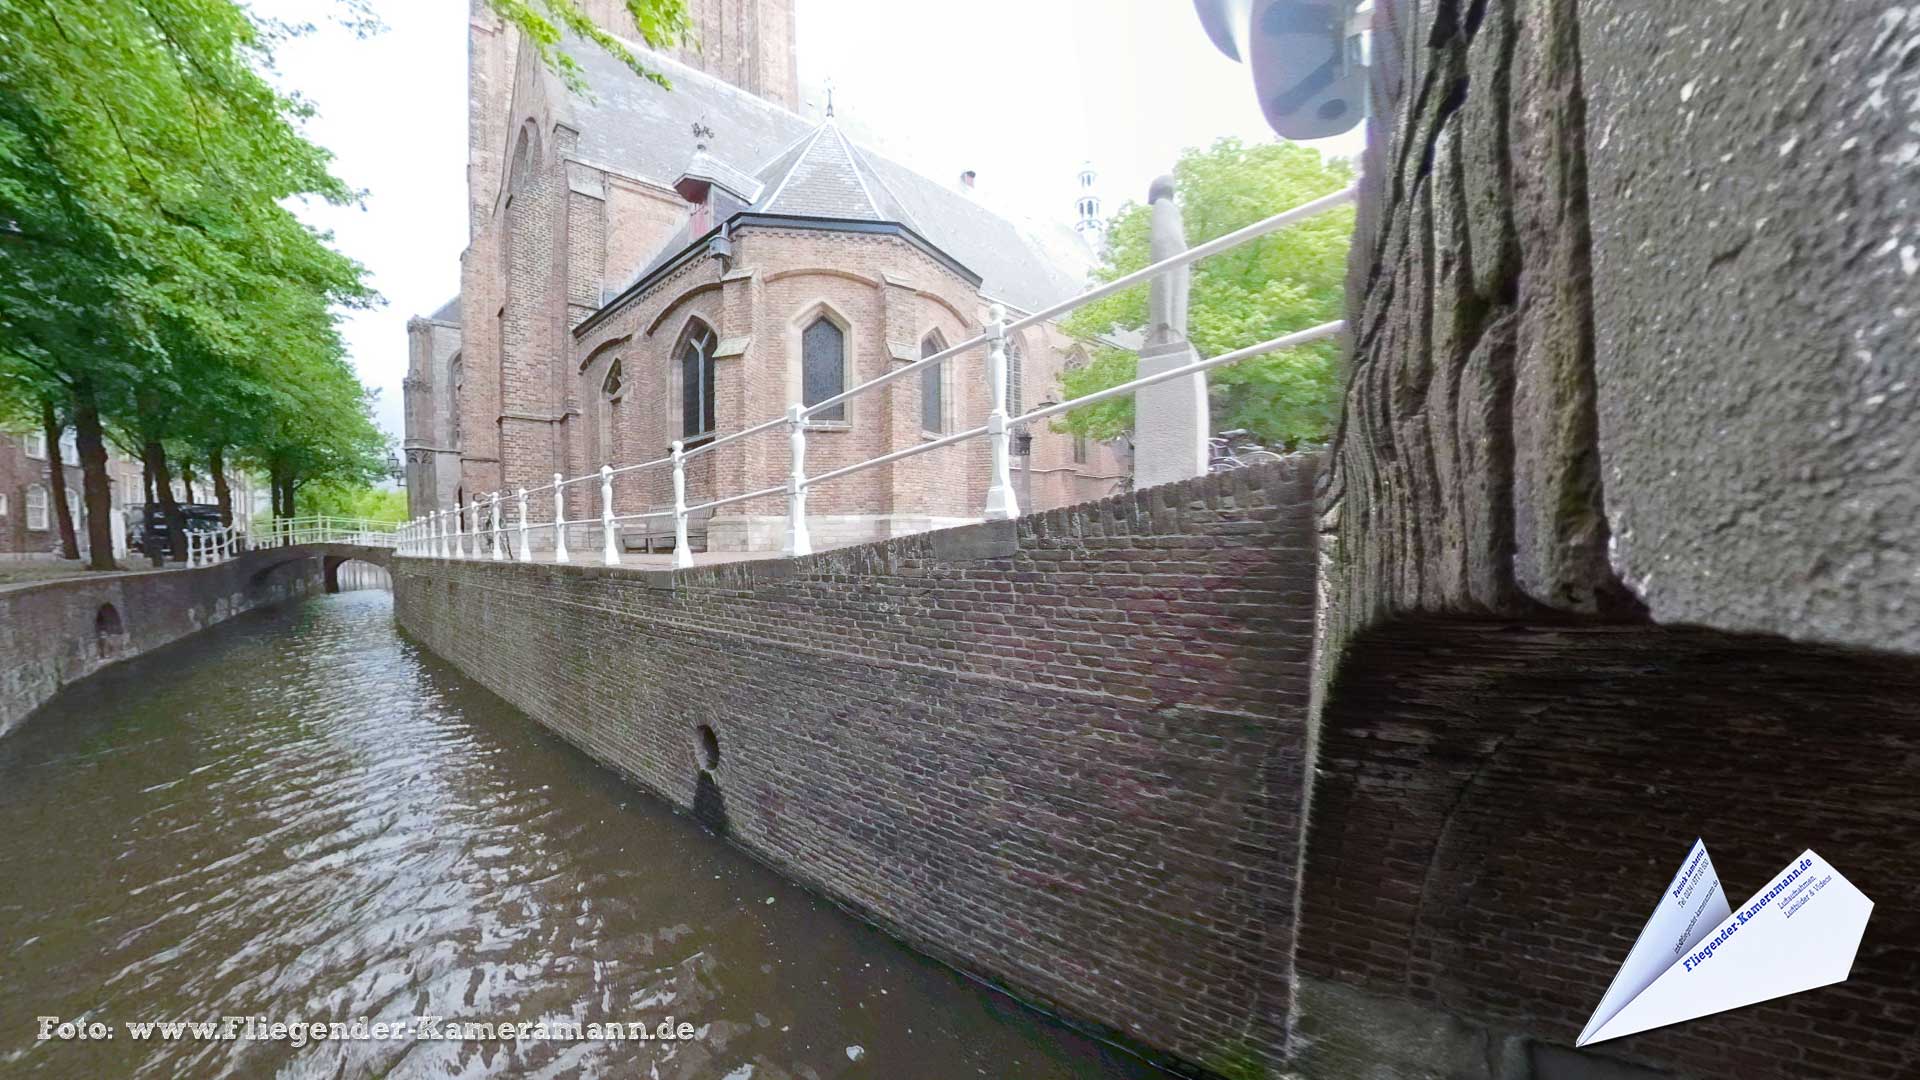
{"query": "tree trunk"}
{"type": "Point", "coordinates": [57, 478]}
{"type": "Point", "coordinates": [222, 494]}
{"type": "Point", "coordinates": [156, 456]}
{"type": "Point", "coordinates": [96, 488]}
{"type": "Point", "coordinates": [287, 499]}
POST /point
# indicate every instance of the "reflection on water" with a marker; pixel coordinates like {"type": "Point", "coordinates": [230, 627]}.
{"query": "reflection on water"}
{"type": "Point", "coordinates": [354, 575]}
{"type": "Point", "coordinates": [299, 815]}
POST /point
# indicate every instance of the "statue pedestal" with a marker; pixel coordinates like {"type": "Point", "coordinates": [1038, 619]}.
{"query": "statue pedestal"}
{"type": "Point", "coordinates": [1170, 421]}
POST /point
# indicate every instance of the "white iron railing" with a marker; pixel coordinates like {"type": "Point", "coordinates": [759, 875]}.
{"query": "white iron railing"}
{"type": "Point", "coordinates": [214, 545]}
{"type": "Point", "coordinates": [475, 530]}
{"type": "Point", "coordinates": [327, 530]}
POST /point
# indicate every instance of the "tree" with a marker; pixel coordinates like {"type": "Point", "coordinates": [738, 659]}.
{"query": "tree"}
{"type": "Point", "coordinates": [1285, 281]}
{"type": "Point", "coordinates": [662, 24]}
{"type": "Point", "coordinates": [331, 499]}
{"type": "Point", "coordinates": [155, 286]}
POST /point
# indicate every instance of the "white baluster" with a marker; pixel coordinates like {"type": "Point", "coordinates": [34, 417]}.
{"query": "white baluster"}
{"type": "Point", "coordinates": [798, 541]}
{"type": "Point", "coordinates": [559, 520]}
{"type": "Point", "coordinates": [473, 523]}
{"type": "Point", "coordinates": [499, 554]}
{"type": "Point", "coordinates": [1000, 498]}
{"type": "Point", "coordinates": [609, 553]}
{"type": "Point", "coordinates": [526, 546]}
{"type": "Point", "coordinates": [682, 552]}
{"type": "Point", "coordinates": [460, 530]}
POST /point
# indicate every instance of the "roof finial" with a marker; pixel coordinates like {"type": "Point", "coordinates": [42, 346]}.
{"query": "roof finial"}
{"type": "Point", "coordinates": [829, 98]}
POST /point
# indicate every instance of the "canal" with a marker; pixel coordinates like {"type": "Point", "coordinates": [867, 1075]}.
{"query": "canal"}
{"type": "Point", "coordinates": [300, 816]}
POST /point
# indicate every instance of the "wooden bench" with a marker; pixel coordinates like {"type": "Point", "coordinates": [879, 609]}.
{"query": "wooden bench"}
{"type": "Point", "coordinates": [655, 534]}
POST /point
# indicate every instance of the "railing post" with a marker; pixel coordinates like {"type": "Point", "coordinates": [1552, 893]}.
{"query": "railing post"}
{"type": "Point", "coordinates": [1001, 503]}
{"type": "Point", "coordinates": [798, 541]}
{"type": "Point", "coordinates": [609, 553]}
{"type": "Point", "coordinates": [526, 548]}
{"type": "Point", "coordinates": [682, 553]}
{"type": "Point", "coordinates": [499, 554]}
{"type": "Point", "coordinates": [479, 548]}
{"type": "Point", "coordinates": [459, 530]}
{"type": "Point", "coordinates": [434, 550]}
{"type": "Point", "coordinates": [559, 520]}
{"type": "Point", "coordinates": [190, 562]}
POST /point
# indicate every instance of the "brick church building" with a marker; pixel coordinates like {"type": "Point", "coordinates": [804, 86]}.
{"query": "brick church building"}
{"type": "Point", "coordinates": [646, 265]}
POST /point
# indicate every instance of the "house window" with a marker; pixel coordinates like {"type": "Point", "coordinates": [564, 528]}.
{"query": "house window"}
{"type": "Point", "coordinates": [933, 410]}
{"type": "Point", "coordinates": [823, 366]}
{"type": "Point", "coordinates": [1079, 449]}
{"type": "Point", "coordinates": [696, 384]}
{"type": "Point", "coordinates": [36, 507]}
{"type": "Point", "coordinates": [3, 504]}
{"type": "Point", "coordinates": [610, 412]}
{"type": "Point", "coordinates": [69, 448]}
{"type": "Point", "coordinates": [36, 444]}
{"type": "Point", "coordinates": [73, 505]}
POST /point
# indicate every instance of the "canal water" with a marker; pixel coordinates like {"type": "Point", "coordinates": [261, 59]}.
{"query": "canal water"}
{"type": "Point", "coordinates": [300, 816]}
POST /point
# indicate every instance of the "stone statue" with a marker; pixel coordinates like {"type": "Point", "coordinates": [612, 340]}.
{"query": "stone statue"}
{"type": "Point", "coordinates": [1167, 293]}
{"type": "Point", "coordinates": [1171, 420]}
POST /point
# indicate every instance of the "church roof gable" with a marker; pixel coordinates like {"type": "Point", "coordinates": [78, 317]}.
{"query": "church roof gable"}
{"type": "Point", "coordinates": [809, 170]}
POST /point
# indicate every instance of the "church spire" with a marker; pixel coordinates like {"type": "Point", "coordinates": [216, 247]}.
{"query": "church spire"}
{"type": "Point", "coordinates": [1087, 220]}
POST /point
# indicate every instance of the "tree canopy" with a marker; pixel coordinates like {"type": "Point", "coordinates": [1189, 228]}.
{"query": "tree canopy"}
{"type": "Point", "coordinates": [157, 290]}
{"type": "Point", "coordinates": [1285, 281]}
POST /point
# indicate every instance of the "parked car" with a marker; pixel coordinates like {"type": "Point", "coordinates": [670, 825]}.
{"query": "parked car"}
{"type": "Point", "coordinates": [199, 517]}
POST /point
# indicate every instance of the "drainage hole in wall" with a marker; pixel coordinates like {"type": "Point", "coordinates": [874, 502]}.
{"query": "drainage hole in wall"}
{"type": "Point", "coordinates": [709, 748]}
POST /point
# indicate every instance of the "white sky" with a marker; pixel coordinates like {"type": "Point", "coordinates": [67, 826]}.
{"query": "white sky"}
{"type": "Point", "coordinates": [1021, 91]}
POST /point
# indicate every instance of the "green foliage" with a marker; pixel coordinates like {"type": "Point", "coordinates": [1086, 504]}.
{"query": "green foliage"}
{"type": "Point", "coordinates": [334, 499]}
{"type": "Point", "coordinates": [150, 265]}
{"type": "Point", "coordinates": [545, 24]}
{"type": "Point", "coordinates": [1286, 281]}
{"type": "Point", "coordinates": [152, 272]}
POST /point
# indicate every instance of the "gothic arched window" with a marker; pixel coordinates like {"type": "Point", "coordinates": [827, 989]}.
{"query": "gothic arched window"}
{"type": "Point", "coordinates": [696, 383]}
{"type": "Point", "coordinates": [1016, 377]}
{"type": "Point", "coordinates": [933, 410]}
{"type": "Point", "coordinates": [823, 366]}
{"type": "Point", "coordinates": [610, 413]}
{"type": "Point", "coordinates": [455, 380]}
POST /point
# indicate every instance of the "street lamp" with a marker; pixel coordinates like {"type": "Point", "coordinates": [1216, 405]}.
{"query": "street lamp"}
{"type": "Point", "coordinates": [395, 470]}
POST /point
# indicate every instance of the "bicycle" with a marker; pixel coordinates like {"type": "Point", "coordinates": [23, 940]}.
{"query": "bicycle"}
{"type": "Point", "coordinates": [1236, 449]}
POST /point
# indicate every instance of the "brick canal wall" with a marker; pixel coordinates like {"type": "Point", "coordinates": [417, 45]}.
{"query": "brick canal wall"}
{"type": "Point", "coordinates": [52, 633]}
{"type": "Point", "coordinates": [1062, 753]}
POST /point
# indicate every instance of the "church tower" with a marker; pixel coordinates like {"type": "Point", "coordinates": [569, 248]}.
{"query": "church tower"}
{"type": "Point", "coordinates": [1087, 209]}
{"type": "Point", "coordinates": [749, 43]}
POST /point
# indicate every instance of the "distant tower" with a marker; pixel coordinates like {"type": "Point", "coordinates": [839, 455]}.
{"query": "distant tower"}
{"type": "Point", "coordinates": [1088, 206]}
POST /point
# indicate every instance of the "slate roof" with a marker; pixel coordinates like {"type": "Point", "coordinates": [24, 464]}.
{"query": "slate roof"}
{"type": "Point", "coordinates": [449, 312]}
{"type": "Point", "coordinates": [808, 170]}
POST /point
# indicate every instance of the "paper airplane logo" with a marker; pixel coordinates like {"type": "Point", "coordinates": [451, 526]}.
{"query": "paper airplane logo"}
{"type": "Point", "coordinates": [1697, 956]}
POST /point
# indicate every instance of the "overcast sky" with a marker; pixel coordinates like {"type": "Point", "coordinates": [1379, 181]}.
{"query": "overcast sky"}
{"type": "Point", "coordinates": [1021, 91]}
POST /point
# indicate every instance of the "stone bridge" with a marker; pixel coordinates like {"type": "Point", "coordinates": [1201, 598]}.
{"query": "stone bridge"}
{"type": "Point", "coordinates": [330, 556]}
